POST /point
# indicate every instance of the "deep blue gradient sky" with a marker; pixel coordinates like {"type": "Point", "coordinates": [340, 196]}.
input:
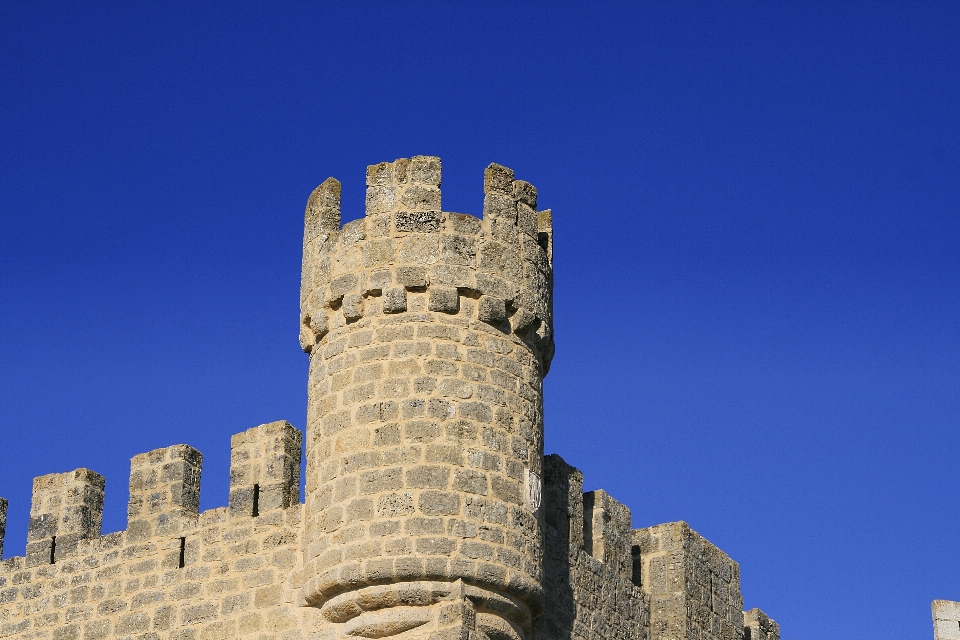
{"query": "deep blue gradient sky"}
{"type": "Point", "coordinates": [757, 252]}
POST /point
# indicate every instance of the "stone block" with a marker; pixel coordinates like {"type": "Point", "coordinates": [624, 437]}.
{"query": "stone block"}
{"type": "Point", "coordinates": [424, 170]}
{"type": "Point", "coordinates": [419, 221]}
{"type": "Point", "coordinates": [498, 179]}
{"type": "Point", "coordinates": [421, 198]}
{"type": "Point", "coordinates": [394, 300]}
{"type": "Point", "coordinates": [492, 310]}
{"type": "Point", "coordinates": [352, 307]}
{"type": "Point", "coordinates": [413, 277]}
{"type": "Point", "coordinates": [946, 620]}
{"type": "Point", "coordinates": [443, 299]}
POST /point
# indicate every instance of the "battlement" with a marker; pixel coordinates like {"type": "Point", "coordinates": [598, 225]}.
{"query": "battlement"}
{"type": "Point", "coordinates": [66, 512]}
{"type": "Point", "coordinates": [407, 255]}
{"type": "Point", "coordinates": [431, 512]}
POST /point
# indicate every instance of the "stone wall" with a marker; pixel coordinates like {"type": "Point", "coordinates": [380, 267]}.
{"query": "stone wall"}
{"type": "Point", "coordinates": [588, 567]}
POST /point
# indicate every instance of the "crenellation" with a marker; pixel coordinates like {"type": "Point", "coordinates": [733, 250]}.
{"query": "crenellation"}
{"type": "Point", "coordinates": [430, 510]}
{"type": "Point", "coordinates": [65, 509]}
{"type": "Point", "coordinates": [164, 491]}
{"type": "Point", "coordinates": [694, 587]}
{"type": "Point", "coordinates": [265, 469]}
{"type": "Point", "coordinates": [607, 531]}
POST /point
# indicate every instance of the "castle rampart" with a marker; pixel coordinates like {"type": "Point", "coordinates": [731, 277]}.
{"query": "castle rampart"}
{"type": "Point", "coordinates": [430, 510]}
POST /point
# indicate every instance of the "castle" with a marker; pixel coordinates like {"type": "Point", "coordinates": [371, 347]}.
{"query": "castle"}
{"type": "Point", "coordinates": [431, 511]}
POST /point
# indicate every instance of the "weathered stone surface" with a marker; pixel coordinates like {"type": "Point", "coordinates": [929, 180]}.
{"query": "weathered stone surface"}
{"type": "Point", "coordinates": [758, 626]}
{"type": "Point", "coordinates": [164, 491]}
{"type": "Point", "coordinates": [265, 469]}
{"type": "Point", "coordinates": [394, 300]}
{"type": "Point", "coordinates": [680, 570]}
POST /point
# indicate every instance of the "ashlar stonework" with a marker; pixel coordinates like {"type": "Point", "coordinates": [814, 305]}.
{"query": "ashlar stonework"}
{"type": "Point", "coordinates": [430, 509]}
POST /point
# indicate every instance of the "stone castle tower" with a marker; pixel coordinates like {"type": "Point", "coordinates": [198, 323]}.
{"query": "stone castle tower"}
{"type": "Point", "coordinates": [431, 511]}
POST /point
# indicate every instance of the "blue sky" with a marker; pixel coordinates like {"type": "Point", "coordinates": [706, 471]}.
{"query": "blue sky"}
{"type": "Point", "coordinates": [757, 252]}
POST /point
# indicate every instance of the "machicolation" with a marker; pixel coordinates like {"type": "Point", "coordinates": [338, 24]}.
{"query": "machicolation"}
{"type": "Point", "coordinates": [431, 511]}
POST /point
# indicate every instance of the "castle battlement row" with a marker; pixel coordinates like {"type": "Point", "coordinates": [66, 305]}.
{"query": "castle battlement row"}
{"type": "Point", "coordinates": [430, 510]}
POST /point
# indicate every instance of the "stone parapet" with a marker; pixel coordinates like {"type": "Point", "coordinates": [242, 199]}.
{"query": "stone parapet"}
{"type": "Point", "coordinates": [265, 469]}
{"type": "Point", "coordinates": [694, 587]}
{"type": "Point", "coordinates": [588, 572]}
{"type": "Point", "coordinates": [759, 626]}
{"type": "Point", "coordinates": [65, 509]}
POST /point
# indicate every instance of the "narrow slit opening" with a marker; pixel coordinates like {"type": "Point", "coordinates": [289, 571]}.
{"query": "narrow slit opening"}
{"type": "Point", "coordinates": [183, 548]}
{"type": "Point", "coordinates": [53, 549]}
{"type": "Point", "coordinates": [256, 500]}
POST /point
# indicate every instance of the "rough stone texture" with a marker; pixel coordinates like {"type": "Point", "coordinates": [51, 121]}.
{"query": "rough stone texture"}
{"type": "Point", "coordinates": [65, 509]}
{"type": "Point", "coordinates": [758, 626]}
{"type": "Point", "coordinates": [694, 587]}
{"type": "Point", "coordinates": [3, 523]}
{"type": "Point", "coordinates": [431, 512]}
{"type": "Point", "coordinates": [588, 597]}
{"type": "Point", "coordinates": [265, 468]}
{"type": "Point", "coordinates": [164, 491]}
{"type": "Point", "coordinates": [946, 620]}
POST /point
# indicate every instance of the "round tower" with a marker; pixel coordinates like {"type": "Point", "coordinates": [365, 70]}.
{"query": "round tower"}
{"type": "Point", "coordinates": [429, 335]}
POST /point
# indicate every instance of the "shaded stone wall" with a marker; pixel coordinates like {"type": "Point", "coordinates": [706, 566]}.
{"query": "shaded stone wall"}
{"type": "Point", "coordinates": [588, 565]}
{"type": "Point", "coordinates": [758, 626]}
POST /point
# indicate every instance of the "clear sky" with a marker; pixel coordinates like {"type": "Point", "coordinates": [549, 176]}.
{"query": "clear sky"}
{"type": "Point", "coordinates": [757, 252]}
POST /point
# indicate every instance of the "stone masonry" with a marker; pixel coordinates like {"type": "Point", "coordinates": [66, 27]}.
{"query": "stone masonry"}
{"type": "Point", "coordinates": [430, 509]}
{"type": "Point", "coordinates": [946, 620]}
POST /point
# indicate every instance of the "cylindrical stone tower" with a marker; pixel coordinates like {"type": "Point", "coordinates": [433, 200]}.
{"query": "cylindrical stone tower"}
{"type": "Point", "coordinates": [429, 335]}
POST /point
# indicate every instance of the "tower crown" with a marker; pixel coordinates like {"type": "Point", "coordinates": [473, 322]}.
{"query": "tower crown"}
{"type": "Point", "coordinates": [407, 244]}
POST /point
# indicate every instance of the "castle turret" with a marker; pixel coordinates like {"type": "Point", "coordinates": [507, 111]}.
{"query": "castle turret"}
{"type": "Point", "coordinates": [429, 335]}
